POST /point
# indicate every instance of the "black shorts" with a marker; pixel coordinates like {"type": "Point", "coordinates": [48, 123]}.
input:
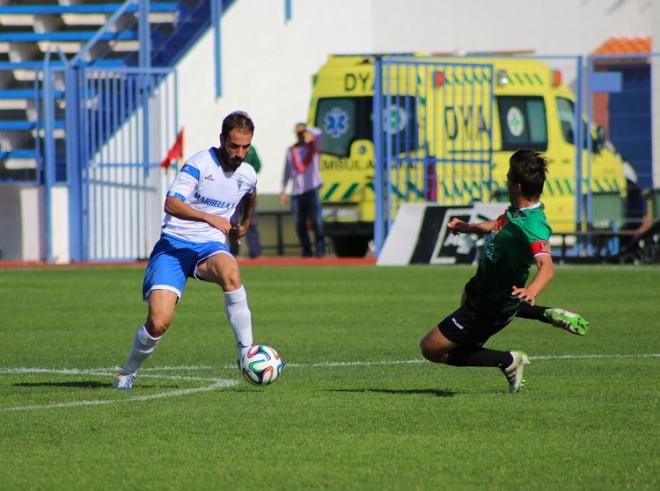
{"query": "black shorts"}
{"type": "Point", "coordinates": [472, 326]}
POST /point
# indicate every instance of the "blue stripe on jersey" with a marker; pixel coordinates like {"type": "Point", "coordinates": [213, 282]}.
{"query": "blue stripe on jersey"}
{"type": "Point", "coordinates": [177, 195]}
{"type": "Point", "coordinates": [189, 169]}
{"type": "Point", "coordinates": [214, 156]}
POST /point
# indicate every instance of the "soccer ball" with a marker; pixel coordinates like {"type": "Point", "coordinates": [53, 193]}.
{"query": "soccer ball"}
{"type": "Point", "coordinates": [261, 365]}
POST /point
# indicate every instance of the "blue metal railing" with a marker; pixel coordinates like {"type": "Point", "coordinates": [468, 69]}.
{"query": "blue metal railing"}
{"type": "Point", "coordinates": [97, 8]}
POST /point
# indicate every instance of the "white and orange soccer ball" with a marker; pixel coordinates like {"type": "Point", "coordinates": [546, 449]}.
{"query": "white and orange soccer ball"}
{"type": "Point", "coordinates": [261, 365]}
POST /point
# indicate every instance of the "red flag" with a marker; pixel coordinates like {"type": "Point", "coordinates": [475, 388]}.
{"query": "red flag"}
{"type": "Point", "coordinates": [175, 153]}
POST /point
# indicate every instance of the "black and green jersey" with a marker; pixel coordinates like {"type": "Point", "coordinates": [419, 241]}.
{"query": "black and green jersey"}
{"type": "Point", "coordinates": [252, 158]}
{"type": "Point", "coordinates": [506, 257]}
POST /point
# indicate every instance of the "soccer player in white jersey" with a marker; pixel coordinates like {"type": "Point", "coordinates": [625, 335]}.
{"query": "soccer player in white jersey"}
{"type": "Point", "coordinates": [194, 240]}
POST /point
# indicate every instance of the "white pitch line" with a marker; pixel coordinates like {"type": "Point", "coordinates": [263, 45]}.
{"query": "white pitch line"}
{"type": "Point", "coordinates": [176, 367]}
{"type": "Point", "coordinates": [325, 364]}
{"type": "Point", "coordinates": [592, 357]}
{"type": "Point", "coordinates": [103, 372]}
{"type": "Point", "coordinates": [217, 385]}
{"type": "Point", "coordinates": [329, 364]}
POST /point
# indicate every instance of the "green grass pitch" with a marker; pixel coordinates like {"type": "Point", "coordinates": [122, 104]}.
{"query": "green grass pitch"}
{"type": "Point", "coordinates": [355, 408]}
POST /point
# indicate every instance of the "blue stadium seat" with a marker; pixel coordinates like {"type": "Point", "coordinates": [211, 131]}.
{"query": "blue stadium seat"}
{"type": "Point", "coordinates": [102, 8]}
{"type": "Point", "coordinates": [65, 36]}
{"type": "Point", "coordinates": [25, 93]}
{"type": "Point", "coordinates": [19, 154]}
{"type": "Point", "coordinates": [38, 65]}
{"type": "Point", "coordinates": [8, 125]}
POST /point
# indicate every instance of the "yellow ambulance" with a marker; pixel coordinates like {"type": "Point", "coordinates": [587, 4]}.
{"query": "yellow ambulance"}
{"type": "Point", "coordinates": [464, 115]}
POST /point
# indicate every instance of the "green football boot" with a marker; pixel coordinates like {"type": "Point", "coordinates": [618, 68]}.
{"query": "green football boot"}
{"type": "Point", "coordinates": [569, 321]}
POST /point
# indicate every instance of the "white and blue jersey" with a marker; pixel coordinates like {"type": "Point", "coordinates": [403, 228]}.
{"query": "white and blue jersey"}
{"type": "Point", "coordinates": [202, 184]}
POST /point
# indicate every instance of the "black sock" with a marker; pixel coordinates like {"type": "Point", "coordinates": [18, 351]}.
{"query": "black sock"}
{"type": "Point", "coordinates": [469, 356]}
{"type": "Point", "coordinates": [529, 311]}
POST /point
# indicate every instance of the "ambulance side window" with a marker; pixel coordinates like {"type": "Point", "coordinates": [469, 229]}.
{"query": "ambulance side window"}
{"type": "Point", "coordinates": [566, 119]}
{"type": "Point", "coordinates": [523, 122]}
{"type": "Point", "coordinates": [344, 120]}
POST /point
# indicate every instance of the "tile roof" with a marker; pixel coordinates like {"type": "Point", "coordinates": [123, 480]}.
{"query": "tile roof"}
{"type": "Point", "coordinates": [625, 45]}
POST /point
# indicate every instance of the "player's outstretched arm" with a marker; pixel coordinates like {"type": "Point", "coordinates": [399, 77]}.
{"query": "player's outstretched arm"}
{"type": "Point", "coordinates": [544, 273]}
{"type": "Point", "coordinates": [458, 226]}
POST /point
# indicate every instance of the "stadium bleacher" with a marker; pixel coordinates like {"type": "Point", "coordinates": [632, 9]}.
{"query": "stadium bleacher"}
{"type": "Point", "coordinates": [30, 29]}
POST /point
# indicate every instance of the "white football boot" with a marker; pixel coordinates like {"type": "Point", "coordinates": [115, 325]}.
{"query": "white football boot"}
{"type": "Point", "coordinates": [124, 381]}
{"type": "Point", "coordinates": [514, 372]}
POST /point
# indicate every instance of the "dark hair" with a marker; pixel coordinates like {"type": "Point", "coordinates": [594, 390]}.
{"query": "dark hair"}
{"type": "Point", "coordinates": [529, 169]}
{"type": "Point", "coordinates": [237, 120]}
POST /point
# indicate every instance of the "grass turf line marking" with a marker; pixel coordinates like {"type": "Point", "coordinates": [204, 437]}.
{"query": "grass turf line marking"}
{"type": "Point", "coordinates": [104, 372]}
{"type": "Point", "coordinates": [176, 367]}
{"type": "Point", "coordinates": [112, 371]}
{"type": "Point", "coordinates": [330, 364]}
{"type": "Point", "coordinates": [592, 357]}
{"type": "Point", "coordinates": [219, 384]}
{"type": "Point", "coordinates": [216, 384]}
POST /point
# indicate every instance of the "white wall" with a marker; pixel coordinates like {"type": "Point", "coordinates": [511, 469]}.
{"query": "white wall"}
{"type": "Point", "coordinates": [59, 212]}
{"type": "Point", "coordinates": [10, 222]}
{"type": "Point", "coordinates": [267, 64]}
{"type": "Point", "coordinates": [547, 27]}
{"type": "Point", "coordinates": [23, 226]}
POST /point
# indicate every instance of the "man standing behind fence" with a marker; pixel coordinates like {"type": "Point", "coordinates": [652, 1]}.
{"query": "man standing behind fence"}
{"type": "Point", "coordinates": [302, 167]}
{"type": "Point", "coordinates": [252, 235]}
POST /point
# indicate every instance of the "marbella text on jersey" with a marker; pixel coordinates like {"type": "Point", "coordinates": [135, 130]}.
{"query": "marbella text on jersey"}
{"type": "Point", "coordinates": [213, 202]}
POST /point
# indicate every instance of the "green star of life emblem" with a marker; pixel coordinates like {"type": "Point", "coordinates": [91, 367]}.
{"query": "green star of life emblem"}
{"type": "Point", "coordinates": [515, 121]}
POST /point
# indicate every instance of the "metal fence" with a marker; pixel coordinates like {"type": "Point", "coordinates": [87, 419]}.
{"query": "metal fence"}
{"type": "Point", "coordinates": [591, 116]}
{"type": "Point", "coordinates": [622, 101]}
{"type": "Point", "coordinates": [127, 120]}
{"type": "Point", "coordinates": [432, 134]}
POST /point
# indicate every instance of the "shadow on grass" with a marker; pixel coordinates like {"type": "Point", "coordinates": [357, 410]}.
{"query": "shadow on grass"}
{"type": "Point", "coordinates": [430, 392]}
{"type": "Point", "coordinates": [86, 384]}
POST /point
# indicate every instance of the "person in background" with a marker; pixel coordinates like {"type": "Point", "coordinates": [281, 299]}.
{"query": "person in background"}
{"type": "Point", "coordinates": [302, 167]}
{"type": "Point", "coordinates": [252, 236]}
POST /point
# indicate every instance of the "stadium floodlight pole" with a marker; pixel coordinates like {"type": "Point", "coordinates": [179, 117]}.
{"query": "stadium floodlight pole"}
{"type": "Point", "coordinates": [216, 16]}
